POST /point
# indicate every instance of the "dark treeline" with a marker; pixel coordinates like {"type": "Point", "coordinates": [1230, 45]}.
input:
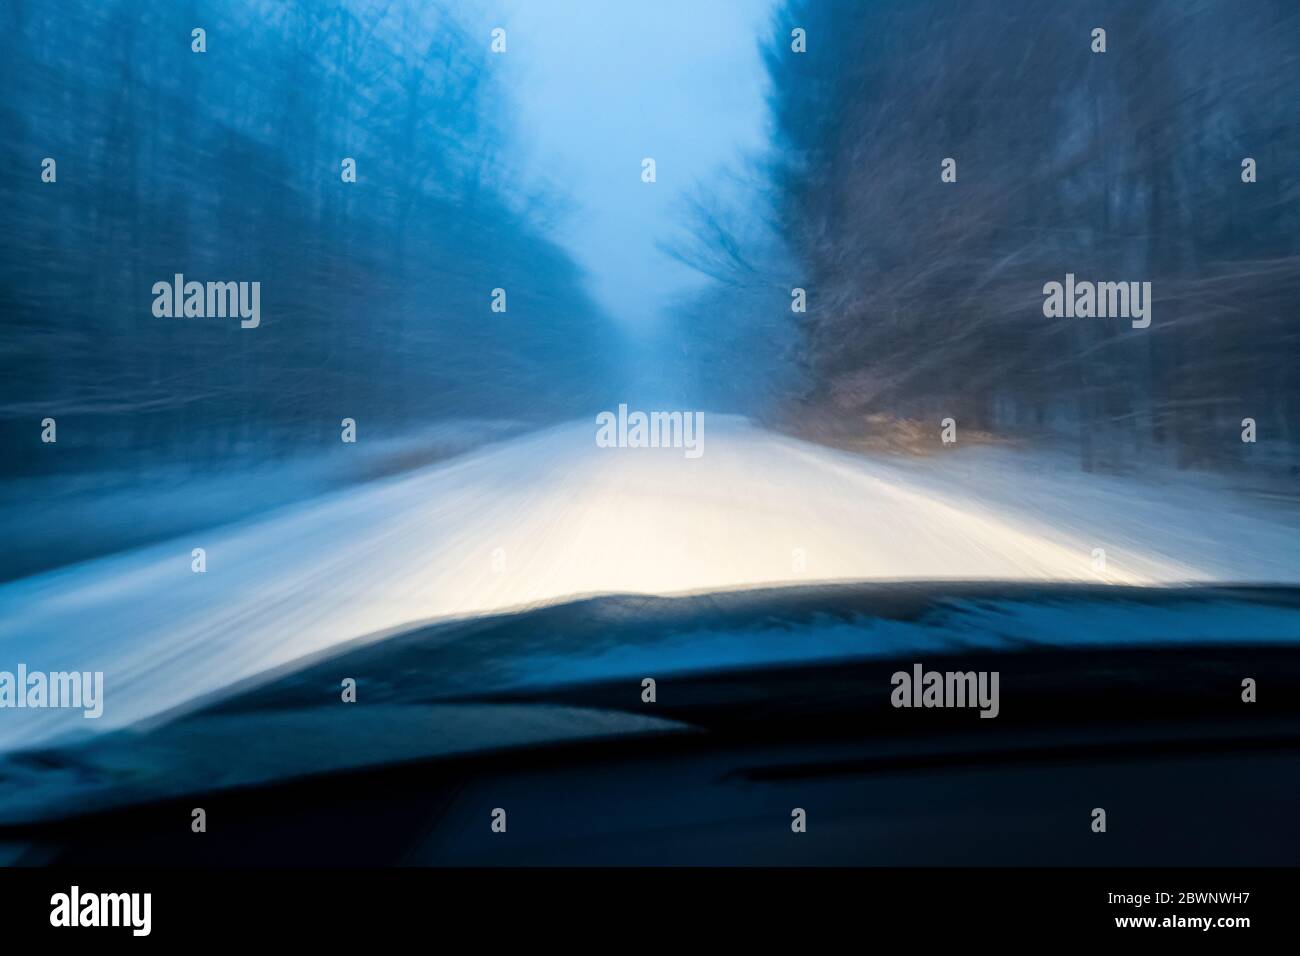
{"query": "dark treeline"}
{"type": "Point", "coordinates": [226, 166]}
{"type": "Point", "coordinates": [926, 297]}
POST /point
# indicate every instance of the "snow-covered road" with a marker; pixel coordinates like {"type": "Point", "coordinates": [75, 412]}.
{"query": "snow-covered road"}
{"type": "Point", "coordinates": [550, 515]}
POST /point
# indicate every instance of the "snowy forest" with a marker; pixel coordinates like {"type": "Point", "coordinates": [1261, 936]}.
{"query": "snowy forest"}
{"type": "Point", "coordinates": [924, 296]}
{"type": "Point", "coordinates": [377, 293]}
{"type": "Point", "coordinates": [871, 264]}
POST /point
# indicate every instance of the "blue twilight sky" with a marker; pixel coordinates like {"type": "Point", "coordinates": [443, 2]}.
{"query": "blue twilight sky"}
{"type": "Point", "coordinates": [597, 85]}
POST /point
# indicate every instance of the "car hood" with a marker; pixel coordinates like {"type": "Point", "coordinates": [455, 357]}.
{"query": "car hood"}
{"type": "Point", "coordinates": [490, 683]}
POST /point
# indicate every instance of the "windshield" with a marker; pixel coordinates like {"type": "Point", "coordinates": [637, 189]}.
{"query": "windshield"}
{"type": "Point", "coordinates": [340, 323]}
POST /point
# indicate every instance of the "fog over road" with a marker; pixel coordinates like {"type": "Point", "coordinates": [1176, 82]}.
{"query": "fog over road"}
{"type": "Point", "coordinates": [550, 515]}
